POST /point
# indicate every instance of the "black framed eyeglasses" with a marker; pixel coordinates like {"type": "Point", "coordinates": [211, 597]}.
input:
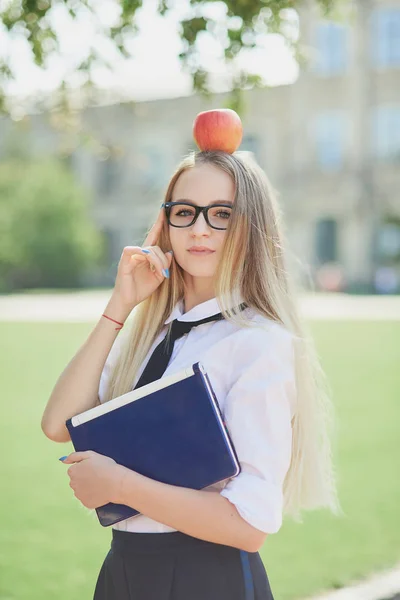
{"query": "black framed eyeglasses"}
{"type": "Point", "coordinates": [185, 214]}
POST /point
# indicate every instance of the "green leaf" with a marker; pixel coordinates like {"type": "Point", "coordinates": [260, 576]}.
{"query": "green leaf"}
{"type": "Point", "coordinates": [30, 20]}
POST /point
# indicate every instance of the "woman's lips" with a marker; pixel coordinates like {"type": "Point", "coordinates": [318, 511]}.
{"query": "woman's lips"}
{"type": "Point", "coordinates": [200, 252]}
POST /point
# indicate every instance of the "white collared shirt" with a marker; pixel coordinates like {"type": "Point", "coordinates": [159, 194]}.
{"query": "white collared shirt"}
{"type": "Point", "coordinates": [252, 373]}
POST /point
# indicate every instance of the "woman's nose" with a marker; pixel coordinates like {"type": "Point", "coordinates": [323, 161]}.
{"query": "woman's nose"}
{"type": "Point", "coordinates": [201, 223]}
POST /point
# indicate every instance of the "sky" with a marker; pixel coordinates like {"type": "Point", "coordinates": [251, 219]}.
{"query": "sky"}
{"type": "Point", "coordinates": [155, 70]}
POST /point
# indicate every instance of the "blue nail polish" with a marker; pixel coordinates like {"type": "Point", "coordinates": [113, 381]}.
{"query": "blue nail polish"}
{"type": "Point", "coordinates": [166, 272]}
{"type": "Point", "coordinates": [63, 458]}
{"type": "Point", "coordinates": [162, 205]}
{"type": "Point", "coordinates": [146, 251]}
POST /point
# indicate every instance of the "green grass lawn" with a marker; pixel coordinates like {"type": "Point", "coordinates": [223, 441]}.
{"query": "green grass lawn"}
{"type": "Point", "coordinates": [53, 547]}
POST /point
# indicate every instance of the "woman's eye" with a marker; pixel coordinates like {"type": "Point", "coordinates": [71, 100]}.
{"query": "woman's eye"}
{"type": "Point", "coordinates": [224, 212]}
{"type": "Point", "coordinates": [181, 213]}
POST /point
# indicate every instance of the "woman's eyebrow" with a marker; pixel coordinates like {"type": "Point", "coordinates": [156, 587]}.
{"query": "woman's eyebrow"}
{"type": "Point", "coordinates": [214, 202]}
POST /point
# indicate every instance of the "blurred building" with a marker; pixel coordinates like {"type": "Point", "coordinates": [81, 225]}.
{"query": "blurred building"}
{"type": "Point", "coordinates": [330, 144]}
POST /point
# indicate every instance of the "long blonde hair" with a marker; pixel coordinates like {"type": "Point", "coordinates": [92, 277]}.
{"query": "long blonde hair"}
{"type": "Point", "coordinates": [252, 267]}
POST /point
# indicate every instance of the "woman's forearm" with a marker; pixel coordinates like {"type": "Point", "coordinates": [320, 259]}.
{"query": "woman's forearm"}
{"type": "Point", "coordinates": [77, 387]}
{"type": "Point", "coordinates": [200, 513]}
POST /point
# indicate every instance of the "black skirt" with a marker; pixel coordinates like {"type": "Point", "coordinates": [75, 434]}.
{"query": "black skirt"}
{"type": "Point", "coordinates": [176, 566]}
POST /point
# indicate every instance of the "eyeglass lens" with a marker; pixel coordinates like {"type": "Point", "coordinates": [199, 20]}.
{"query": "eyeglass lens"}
{"type": "Point", "coordinates": [182, 215]}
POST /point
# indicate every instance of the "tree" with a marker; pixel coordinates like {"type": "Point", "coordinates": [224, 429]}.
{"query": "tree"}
{"type": "Point", "coordinates": [47, 237]}
{"type": "Point", "coordinates": [243, 22]}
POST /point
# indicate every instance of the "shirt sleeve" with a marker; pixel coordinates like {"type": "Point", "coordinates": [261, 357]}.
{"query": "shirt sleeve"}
{"type": "Point", "coordinates": [258, 411]}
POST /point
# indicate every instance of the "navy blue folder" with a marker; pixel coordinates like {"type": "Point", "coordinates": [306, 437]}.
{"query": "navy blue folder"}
{"type": "Point", "coordinates": [170, 430]}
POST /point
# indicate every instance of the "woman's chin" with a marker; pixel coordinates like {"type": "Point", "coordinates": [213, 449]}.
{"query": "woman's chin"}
{"type": "Point", "coordinates": [199, 272]}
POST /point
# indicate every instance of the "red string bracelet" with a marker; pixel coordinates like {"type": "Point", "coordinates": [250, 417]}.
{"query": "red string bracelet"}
{"type": "Point", "coordinates": [118, 323]}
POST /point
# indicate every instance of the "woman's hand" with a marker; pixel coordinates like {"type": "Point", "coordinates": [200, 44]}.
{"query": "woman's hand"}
{"type": "Point", "coordinates": [96, 479]}
{"type": "Point", "coordinates": [140, 273]}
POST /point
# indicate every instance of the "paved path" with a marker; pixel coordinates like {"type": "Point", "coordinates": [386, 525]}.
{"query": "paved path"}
{"type": "Point", "coordinates": [89, 305]}
{"type": "Point", "coordinates": [380, 586]}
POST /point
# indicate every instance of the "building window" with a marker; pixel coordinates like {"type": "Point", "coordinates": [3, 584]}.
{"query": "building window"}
{"type": "Point", "coordinates": [109, 174]}
{"type": "Point", "coordinates": [250, 143]}
{"type": "Point", "coordinates": [112, 246]}
{"type": "Point", "coordinates": [329, 129]}
{"type": "Point", "coordinates": [385, 38]}
{"type": "Point", "coordinates": [326, 241]}
{"type": "Point", "coordinates": [151, 166]}
{"type": "Point", "coordinates": [386, 133]}
{"type": "Point", "coordinates": [331, 41]}
{"type": "Point", "coordinates": [389, 241]}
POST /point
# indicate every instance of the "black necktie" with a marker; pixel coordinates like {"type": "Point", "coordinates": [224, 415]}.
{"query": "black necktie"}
{"type": "Point", "coordinates": [159, 360]}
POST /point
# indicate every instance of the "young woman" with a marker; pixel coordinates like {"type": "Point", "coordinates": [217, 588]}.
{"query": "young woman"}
{"type": "Point", "coordinates": [227, 282]}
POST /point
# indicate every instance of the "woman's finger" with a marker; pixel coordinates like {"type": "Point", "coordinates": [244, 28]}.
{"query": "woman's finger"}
{"type": "Point", "coordinates": [164, 259]}
{"type": "Point", "coordinates": [129, 253]}
{"type": "Point", "coordinates": [154, 233]}
{"type": "Point", "coordinates": [154, 260]}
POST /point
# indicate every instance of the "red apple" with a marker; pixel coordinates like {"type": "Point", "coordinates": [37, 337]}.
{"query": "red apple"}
{"type": "Point", "coordinates": [219, 129]}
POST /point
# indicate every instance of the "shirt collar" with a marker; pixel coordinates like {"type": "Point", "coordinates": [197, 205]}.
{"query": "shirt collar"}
{"type": "Point", "coordinates": [201, 311]}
